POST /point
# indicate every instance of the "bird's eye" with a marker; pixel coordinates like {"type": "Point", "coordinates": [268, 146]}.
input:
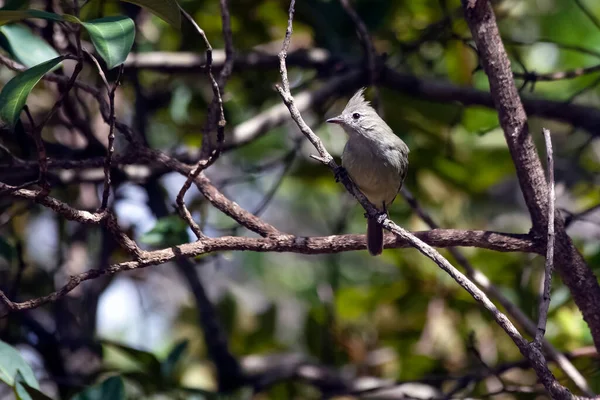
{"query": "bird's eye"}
{"type": "Point", "coordinates": [356, 115]}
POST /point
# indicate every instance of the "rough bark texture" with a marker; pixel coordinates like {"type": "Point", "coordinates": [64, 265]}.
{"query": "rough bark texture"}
{"type": "Point", "coordinates": [580, 280]}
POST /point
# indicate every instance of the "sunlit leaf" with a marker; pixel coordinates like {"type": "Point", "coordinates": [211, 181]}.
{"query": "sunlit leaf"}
{"type": "Point", "coordinates": [25, 392]}
{"type": "Point", "coordinates": [24, 46]}
{"type": "Point", "coordinates": [112, 37]}
{"type": "Point", "coordinates": [12, 363]}
{"type": "Point", "coordinates": [167, 10]}
{"type": "Point", "coordinates": [14, 94]}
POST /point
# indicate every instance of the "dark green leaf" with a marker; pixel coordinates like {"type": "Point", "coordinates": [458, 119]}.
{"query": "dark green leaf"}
{"type": "Point", "coordinates": [207, 395]}
{"type": "Point", "coordinates": [167, 10]}
{"type": "Point", "coordinates": [145, 360]}
{"type": "Point", "coordinates": [228, 312]}
{"type": "Point", "coordinates": [168, 231]}
{"type": "Point", "coordinates": [268, 321]}
{"type": "Point", "coordinates": [14, 94]}
{"type": "Point", "coordinates": [17, 15]}
{"type": "Point", "coordinates": [112, 388]}
{"type": "Point", "coordinates": [112, 37]}
{"type": "Point", "coordinates": [7, 251]}
{"type": "Point", "coordinates": [11, 364]}
{"type": "Point", "coordinates": [24, 46]}
{"type": "Point", "coordinates": [170, 363]}
{"type": "Point", "coordinates": [15, 4]}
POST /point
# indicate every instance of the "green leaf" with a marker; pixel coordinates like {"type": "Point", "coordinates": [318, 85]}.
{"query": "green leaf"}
{"type": "Point", "coordinates": [15, 4]}
{"type": "Point", "coordinates": [170, 363]}
{"type": "Point", "coordinates": [7, 16]}
{"type": "Point", "coordinates": [168, 231]}
{"type": "Point", "coordinates": [7, 251]}
{"type": "Point", "coordinates": [112, 388]}
{"type": "Point", "coordinates": [14, 94]}
{"type": "Point", "coordinates": [25, 392]}
{"type": "Point", "coordinates": [112, 37]}
{"type": "Point", "coordinates": [24, 46]}
{"type": "Point", "coordinates": [167, 10]}
{"type": "Point", "coordinates": [11, 364]}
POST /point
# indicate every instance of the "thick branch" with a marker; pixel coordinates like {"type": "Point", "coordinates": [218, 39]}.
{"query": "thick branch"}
{"type": "Point", "coordinates": [581, 281]}
{"type": "Point", "coordinates": [577, 115]}
{"type": "Point", "coordinates": [286, 243]}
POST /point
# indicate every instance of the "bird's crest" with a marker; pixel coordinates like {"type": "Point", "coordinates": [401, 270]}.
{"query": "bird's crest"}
{"type": "Point", "coordinates": [357, 102]}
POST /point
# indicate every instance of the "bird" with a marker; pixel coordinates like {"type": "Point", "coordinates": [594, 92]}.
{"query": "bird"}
{"type": "Point", "coordinates": [375, 159]}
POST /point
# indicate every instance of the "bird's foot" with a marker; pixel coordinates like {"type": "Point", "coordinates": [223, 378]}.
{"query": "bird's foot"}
{"type": "Point", "coordinates": [340, 173]}
{"type": "Point", "coordinates": [379, 217]}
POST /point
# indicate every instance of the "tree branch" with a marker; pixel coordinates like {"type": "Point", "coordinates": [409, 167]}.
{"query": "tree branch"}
{"type": "Point", "coordinates": [580, 280]}
{"type": "Point", "coordinates": [549, 265]}
{"type": "Point", "coordinates": [532, 353]}
{"type": "Point", "coordinates": [511, 309]}
{"type": "Point", "coordinates": [578, 115]}
{"type": "Point", "coordinates": [283, 243]}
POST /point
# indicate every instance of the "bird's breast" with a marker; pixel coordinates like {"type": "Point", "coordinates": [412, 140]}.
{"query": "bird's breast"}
{"type": "Point", "coordinates": [377, 170]}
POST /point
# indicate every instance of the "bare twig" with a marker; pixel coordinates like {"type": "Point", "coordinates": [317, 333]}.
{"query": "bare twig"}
{"type": "Point", "coordinates": [545, 298]}
{"type": "Point", "coordinates": [216, 104]}
{"type": "Point", "coordinates": [111, 140]}
{"type": "Point", "coordinates": [556, 76]}
{"type": "Point", "coordinates": [494, 292]}
{"type": "Point", "coordinates": [211, 193]}
{"type": "Point", "coordinates": [72, 214]}
{"type": "Point", "coordinates": [272, 243]}
{"type": "Point", "coordinates": [369, 49]}
{"type": "Point", "coordinates": [588, 13]}
{"type": "Point", "coordinates": [64, 94]}
{"type": "Point", "coordinates": [36, 134]}
{"type": "Point", "coordinates": [111, 122]}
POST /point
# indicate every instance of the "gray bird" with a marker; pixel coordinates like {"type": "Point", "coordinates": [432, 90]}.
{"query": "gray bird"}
{"type": "Point", "coordinates": [375, 158]}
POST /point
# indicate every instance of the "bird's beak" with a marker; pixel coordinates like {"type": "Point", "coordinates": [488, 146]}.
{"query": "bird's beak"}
{"type": "Point", "coordinates": [335, 120]}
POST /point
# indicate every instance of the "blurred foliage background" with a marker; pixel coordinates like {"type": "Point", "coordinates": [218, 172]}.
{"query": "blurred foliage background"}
{"type": "Point", "coordinates": [396, 316]}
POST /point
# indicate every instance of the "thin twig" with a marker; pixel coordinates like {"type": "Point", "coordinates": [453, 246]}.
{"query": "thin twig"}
{"type": "Point", "coordinates": [36, 134]}
{"type": "Point", "coordinates": [549, 266]}
{"type": "Point", "coordinates": [556, 76]}
{"type": "Point", "coordinates": [111, 122]}
{"type": "Point", "coordinates": [588, 13]}
{"type": "Point", "coordinates": [205, 162]}
{"type": "Point", "coordinates": [111, 141]}
{"type": "Point", "coordinates": [511, 309]}
{"type": "Point", "coordinates": [369, 49]}
{"type": "Point", "coordinates": [65, 92]}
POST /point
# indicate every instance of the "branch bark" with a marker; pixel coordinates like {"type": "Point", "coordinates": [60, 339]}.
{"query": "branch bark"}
{"type": "Point", "coordinates": [580, 280]}
{"type": "Point", "coordinates": [280, 243]}
{"type": "Point", "coordinates": [578, 115]}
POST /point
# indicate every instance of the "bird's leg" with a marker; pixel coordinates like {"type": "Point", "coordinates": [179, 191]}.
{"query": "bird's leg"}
{"type": "Point", "coordinates": [340, 173]}
{"type": "Point", "coordinates": [380, 216]}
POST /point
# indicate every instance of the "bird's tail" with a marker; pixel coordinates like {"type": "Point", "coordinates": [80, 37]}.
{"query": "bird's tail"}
{"type": "Point", "coordinates": [374, 237]}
